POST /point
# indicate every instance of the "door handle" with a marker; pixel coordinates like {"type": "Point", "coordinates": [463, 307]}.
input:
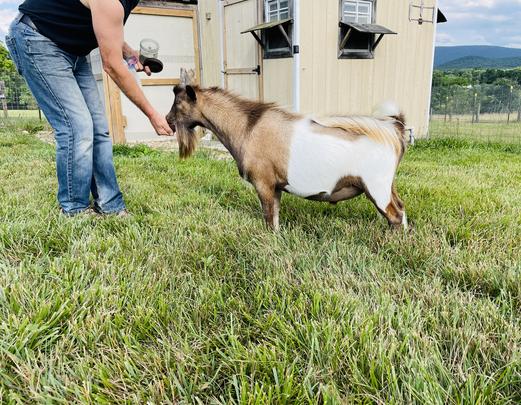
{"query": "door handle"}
{"type": "Point", "coordinates": [257, 70]}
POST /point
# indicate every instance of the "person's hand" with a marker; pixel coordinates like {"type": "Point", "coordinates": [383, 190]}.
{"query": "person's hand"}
{"type": "Point", "coordinates": [132, 53]}
{"type": "Point", "coordinates": [141, 68]}
{"type": "Point", "coordinates": [160, 124]}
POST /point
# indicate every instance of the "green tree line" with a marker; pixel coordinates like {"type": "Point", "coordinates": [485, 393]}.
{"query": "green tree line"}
{"type": "Point", "coordinates": [476, 92]}
{"type": "Point", "coordinates": [467, 77]}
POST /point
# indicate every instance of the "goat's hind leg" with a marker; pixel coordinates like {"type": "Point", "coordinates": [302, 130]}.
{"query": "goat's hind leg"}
{"type": "Point", "coordinates": [398, 203]}
{"type": "Point", "coordinates": [388, 203]}
{"type": "Point", "coordinates": [395, 212]}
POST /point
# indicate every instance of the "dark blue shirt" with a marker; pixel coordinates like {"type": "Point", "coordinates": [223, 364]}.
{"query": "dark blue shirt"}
{"type": "Point", "coordinates": [68, 23]}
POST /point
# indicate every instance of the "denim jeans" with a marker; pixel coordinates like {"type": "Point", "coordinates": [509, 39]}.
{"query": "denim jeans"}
{"type": "Point", "coordinates": [66, 91]}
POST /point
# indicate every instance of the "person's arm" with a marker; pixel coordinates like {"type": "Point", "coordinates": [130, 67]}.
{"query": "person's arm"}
{"type": "Point", "coordinates": [107, 19]}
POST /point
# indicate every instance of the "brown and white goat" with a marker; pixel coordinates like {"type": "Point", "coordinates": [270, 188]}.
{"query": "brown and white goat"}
{"type": "Point", "coordinates": [328, 159]}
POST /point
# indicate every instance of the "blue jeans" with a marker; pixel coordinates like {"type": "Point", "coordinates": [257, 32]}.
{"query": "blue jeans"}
{"type": "Point", "coordinates": [65, 89]}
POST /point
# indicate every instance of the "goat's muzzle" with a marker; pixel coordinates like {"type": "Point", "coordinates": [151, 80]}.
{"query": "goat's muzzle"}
{"type": "Point", "coordinates": [170, 122]}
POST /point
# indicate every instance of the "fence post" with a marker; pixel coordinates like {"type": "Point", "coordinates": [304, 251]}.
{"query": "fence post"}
{"type": "Point", "coordinates": [509, 104]}
{"type": "Point", "coordinates": [4, 107]}
{"type": "Point", "coordinates": [477, 108]}
{"type": "Point", "coordinates": [2, 97]}
{"type": "Point", "coordinates": [478, 111]}
{"type": "Point", "coordinates": [518, 106]}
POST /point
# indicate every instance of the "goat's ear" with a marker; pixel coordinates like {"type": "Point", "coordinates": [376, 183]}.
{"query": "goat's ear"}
{"type": "Point", "coordinates": [191, 93]}
{"type": "Point", "coordinates": [177, 89]}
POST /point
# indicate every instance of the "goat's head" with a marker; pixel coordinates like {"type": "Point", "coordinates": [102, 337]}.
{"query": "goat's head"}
{"type": "Point", "coordinates": [184, 116]}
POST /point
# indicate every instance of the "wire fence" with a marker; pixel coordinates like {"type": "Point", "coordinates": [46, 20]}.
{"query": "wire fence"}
{"type": "Point", "coordinates": [489, 113]}
{"type": "Point", "coordinates": [16, 101]}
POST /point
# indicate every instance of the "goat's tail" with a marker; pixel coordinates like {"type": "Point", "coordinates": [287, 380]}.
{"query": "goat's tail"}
{"type": "Point", "coordinates": [390, 110]}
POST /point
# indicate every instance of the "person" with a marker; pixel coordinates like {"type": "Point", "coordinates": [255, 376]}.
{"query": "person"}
{"type": "Point", "coordinates": [49, 42]}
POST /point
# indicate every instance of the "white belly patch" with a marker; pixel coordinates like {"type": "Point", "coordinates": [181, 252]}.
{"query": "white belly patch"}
{"type": "Point", "coordinates": [318, 161]}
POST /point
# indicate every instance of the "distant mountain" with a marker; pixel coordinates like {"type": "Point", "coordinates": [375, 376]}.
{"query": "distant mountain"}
{"type": "Point", "coordinates": [479, 62]}
{"type": "Point", "coordinates": [446, 54]}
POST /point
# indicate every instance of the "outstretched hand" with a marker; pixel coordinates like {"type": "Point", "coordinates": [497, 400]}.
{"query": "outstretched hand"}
{"type": "Point", "coordinates": [160, 124]}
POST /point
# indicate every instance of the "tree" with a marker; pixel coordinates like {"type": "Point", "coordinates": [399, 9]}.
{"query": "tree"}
{"type": "Point", "coordinates": [7, 66]}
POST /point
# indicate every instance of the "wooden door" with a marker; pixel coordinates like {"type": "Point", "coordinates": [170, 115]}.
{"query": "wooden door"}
{"type": "Point", "coordinates": [176, 31]}
{"type": "Point", "coordinates": [242, 62]}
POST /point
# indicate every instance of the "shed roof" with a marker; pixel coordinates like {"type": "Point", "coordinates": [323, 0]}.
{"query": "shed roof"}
{"type": "Point", "coordinates": [368, 28]}
{"type": "Point", "coordinates": [265, 26]}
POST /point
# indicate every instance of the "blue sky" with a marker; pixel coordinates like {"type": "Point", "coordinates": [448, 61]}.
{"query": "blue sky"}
{"type": "Point", "coordinates": [480, 22]}
{"type": "Point", "coordinates": [471, 22]}
{"type": "Point", "coordinates": [7, 12]}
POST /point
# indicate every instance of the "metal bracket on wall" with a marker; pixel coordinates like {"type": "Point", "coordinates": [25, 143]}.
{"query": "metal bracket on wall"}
{"type": "Point", "coordinates": [285, 35]}
{"type": "Point", "coordinates": [346, 37]}
{"type": "Point", "coordinates": [267, 26]}
{"type": "Point", "coordinates": [366, 29]}
{"type": "Point", "coordinates": [421, 17]}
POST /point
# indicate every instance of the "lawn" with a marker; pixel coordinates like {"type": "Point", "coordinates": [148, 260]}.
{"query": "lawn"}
{"type": "Point", "coordinates": [492, 128]}
{"type": "Point", "coordinates": [192, 300]}
{"type": "Point", "coordinates": [22, 114]}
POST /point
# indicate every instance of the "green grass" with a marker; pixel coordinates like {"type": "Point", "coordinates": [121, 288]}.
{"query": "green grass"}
{"type": "Point", "coordinates": [487, 130]}
{"type": "Point", "coordinates": [22, 114]}
{"type": "Point", "coordinates": [22, 123]}
{"type": "Point", "coordinates": [192, 300]}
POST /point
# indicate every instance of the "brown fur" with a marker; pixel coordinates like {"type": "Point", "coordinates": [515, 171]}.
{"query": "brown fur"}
{"type": "Point", "coordinates": [375, 129]}
{"type": "Point", "coordinates": [394, 212]}
{"type": "Point", "coordinates": [254, 111]}
{"type": "Point", "coordinates": [255, 128]}
{"type": "Point", "coordinates": [336, 132]}
{"type": "Point", "coordinates": [399, 124]}
{"type": "Point", "coordinates": [346, 188]}
{"type": "Point", "coordinates": [258, 137]}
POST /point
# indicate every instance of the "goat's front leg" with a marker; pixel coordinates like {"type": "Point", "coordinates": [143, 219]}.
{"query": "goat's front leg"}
{"type": "Point", "coordinates": [270, 203]}
{"type": "Point", "coordinates": [276, 209]}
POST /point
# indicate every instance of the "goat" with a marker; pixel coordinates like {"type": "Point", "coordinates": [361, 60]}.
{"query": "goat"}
{"type": "Point", "coordinates": [327, 159]}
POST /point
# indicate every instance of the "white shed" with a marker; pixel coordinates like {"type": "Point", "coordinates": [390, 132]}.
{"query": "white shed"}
{"type": "Point", "coordinates": [311, 56]}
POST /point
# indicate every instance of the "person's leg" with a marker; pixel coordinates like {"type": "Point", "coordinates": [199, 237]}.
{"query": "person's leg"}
{"type": "Point", "coordinates": [104, 186]}
{"type": "Point", "coordinates": [49, 73]}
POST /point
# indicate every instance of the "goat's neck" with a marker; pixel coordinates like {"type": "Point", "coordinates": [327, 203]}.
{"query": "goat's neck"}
{"type": "Point", "coordinates": [230, 126]}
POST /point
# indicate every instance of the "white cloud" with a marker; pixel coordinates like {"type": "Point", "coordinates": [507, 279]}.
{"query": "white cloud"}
{"type": "Point", "coordinates": [479, 3]}
{"type": "Point", "coordinates": [473, 22]}
{"type": "Point", "coordinates": [473, 16]}
{"type": "Point", "coordinates": [6, 16]}
{"type": "Point", "coordinates": [8, 10]}
{"type": "Point", "coordinates": [443, 38]}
